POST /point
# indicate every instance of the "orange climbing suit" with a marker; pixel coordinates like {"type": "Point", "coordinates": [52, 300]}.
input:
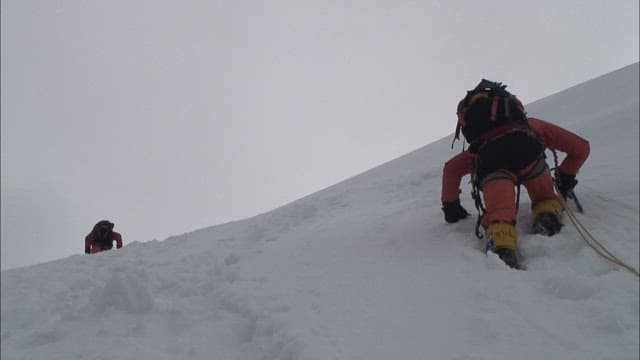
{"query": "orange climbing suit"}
{"type": "Point", "coordinates": [499, 193]}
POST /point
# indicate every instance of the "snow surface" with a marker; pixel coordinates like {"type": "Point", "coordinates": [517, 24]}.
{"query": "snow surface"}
{"type": "Point", "coordinates": [365, 269]}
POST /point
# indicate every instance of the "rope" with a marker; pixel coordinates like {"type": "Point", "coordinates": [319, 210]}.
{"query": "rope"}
{"type": "Point", "coordinates": [592, 241]}
{"type": "Point", "coordinates": [586, 235]}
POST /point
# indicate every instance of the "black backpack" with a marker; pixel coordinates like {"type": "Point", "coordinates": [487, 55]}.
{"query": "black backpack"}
{"type": "Point", "coordinates": [103, 234]}
{"type": "Point", "coordinates": [487, 107]}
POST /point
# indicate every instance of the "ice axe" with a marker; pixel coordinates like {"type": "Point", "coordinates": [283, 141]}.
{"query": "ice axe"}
{"type": "Point", "coordinates": [572, 195]}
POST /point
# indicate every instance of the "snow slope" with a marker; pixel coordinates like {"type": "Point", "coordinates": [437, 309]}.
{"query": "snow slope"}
{"type": "Point", "coordinates": [365, 269]}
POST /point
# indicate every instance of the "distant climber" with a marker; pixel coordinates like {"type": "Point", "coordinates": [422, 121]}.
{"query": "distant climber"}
{"type": "Point", "coordinates": [101, 238]}
{"type": "Point", "coordinates": [506, 149]}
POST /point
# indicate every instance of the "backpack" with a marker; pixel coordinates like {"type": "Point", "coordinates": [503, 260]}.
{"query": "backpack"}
{"type": "Point", "coordinates": [488, 111]}
{"type": "Point", "coordinates": [103, 234]}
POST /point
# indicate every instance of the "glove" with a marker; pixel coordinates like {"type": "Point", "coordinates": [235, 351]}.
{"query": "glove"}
{"type": "Point", "coordinates": [565, 182]}
{"type": "Point", "coordinates": [453, 211]}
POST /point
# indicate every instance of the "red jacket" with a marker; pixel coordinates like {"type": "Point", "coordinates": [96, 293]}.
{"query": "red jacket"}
{"type": "Point", "coordinates": [91, 248]}
{"type": "Point", "coordinates": [553, 136]}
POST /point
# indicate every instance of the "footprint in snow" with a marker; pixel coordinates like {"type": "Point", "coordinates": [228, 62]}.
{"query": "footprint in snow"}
{"type": "Point", "coordinates": [231, 259]}
{"type": "Point", "coordinates": [567, 289]}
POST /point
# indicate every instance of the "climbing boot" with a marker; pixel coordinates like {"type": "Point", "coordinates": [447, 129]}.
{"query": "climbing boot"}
{"type": "Point", "coordinates": [547, 224]}
{"type": "Point", "coordinates": [547, 215]}
{"type": "Point", "coordinates": [502, 239]}
{"type": "Point", "coordinates": [509, 257]}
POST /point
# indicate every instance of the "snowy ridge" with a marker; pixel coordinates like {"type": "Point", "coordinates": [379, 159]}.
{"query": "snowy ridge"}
{"type": "Point", "coordinates": [365, 269]}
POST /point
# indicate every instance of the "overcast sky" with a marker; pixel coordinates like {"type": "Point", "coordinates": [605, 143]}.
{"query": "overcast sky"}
{"type": "Point", "coordinates": [169, 116]}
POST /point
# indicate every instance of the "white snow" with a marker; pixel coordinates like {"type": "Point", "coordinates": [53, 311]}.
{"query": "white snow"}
{"type": "Point", "coordinates": [365, 269]}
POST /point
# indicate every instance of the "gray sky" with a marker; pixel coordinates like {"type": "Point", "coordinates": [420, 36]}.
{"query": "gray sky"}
{"type": "Point", "coordinates": [168, 116]}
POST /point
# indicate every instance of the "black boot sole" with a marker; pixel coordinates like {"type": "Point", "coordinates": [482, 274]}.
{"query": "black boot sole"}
{"type": "Point", "coordinates": [509, 257]}
{"type": "Point", "coordinates": [547, 224]}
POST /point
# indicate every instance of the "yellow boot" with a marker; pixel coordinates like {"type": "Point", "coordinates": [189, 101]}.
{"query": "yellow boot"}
{"type": "Point", "coordinates": [502, 239]}
{"type": "Point", "coordinates": [547, 217]}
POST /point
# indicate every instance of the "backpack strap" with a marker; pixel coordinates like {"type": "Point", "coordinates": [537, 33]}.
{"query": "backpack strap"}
{"type": "Point", "coordinates": [499, 132]}
{"type": "Point", "coordinates": [494, 108]}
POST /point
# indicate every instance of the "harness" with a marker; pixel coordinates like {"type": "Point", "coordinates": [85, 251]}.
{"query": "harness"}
{"type": "Point", "coordinates": [539, 166]}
